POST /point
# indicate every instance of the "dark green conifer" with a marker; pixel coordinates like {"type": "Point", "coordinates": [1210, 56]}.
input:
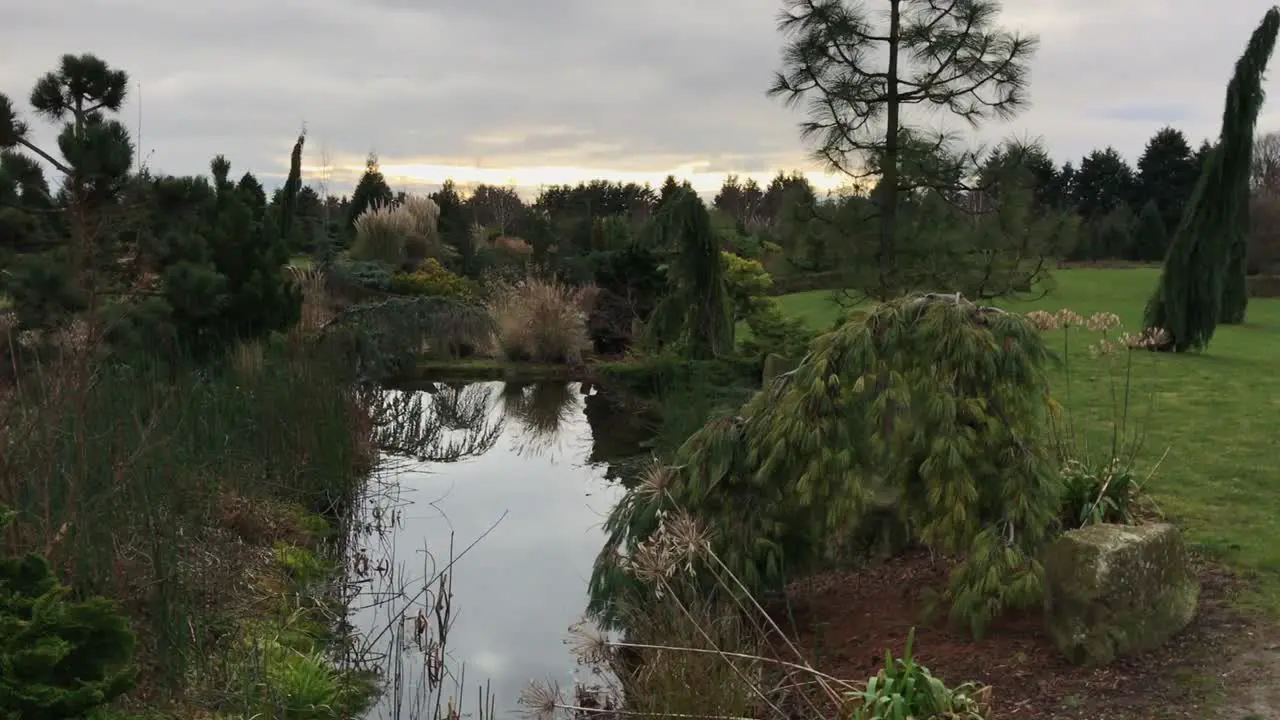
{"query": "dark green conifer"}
{"type": "Point", "coordinates": [1150, 236]}
{"type": "Point", "coordinates": [289, 197]}
{"type": "Point", "coordinates": [696, 319]}
{"type": "Point", "coordinates": [1194, 293]}
{"type": "Point", "coordinates": [371, 191]}
{"type": "Point", "coordinates": [59, 658]}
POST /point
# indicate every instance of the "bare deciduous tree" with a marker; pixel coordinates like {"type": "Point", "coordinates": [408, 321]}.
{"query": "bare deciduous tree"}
{"type": "Point", "coordinates": [1265, 175]}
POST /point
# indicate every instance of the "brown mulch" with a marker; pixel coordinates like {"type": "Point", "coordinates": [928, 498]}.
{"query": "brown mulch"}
{"type": "Point", "coordinates": [849, 619]}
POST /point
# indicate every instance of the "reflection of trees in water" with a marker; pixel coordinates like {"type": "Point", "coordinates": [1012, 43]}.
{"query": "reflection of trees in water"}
{"type": "Point", "coordinates": [438, 425]}
{"type": "Point", "coordinates": [405, 607]}
{"type": "Point", "coordinates": [540, 411]}
{"type": "Point", "coordinates": [621, 430]}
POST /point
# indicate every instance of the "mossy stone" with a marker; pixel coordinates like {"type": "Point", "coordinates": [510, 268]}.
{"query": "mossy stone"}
{"type": "Point", "coordinates": [1113, 590]}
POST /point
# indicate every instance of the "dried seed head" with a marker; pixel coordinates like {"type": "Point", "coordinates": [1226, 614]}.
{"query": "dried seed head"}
{"type": "Point", "coordinates": [1102, 348]}
{"type": "Point", "coordinates": [676, 544]}
{"type": "Point", "coordinates": [539, 701]}
{"type": "Point", "coordinates": [589, 645]}
{"type": "Point", "coordinates": [1156, 337]}
{"type": "Point", "coordinates": [656, 478]}
{"type": "Point", "coordinates": [1069, 318]}
{"type": "Point", "coordinates": [1103, 321]}
{"type": "Point", "coordinates": [1043, 321]}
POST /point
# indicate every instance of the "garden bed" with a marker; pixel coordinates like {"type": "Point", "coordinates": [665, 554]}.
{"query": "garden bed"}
{"type": "Point", "coordinates": [849, 619]}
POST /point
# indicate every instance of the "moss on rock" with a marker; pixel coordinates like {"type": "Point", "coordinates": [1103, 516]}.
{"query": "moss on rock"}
{"type": "Point", "coordinates": [1112, 590]}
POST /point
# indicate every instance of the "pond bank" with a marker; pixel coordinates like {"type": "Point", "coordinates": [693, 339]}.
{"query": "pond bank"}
{"type": "Point", "coordinates": [645, 376]}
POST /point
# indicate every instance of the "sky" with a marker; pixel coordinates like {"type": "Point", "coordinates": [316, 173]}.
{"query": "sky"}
{"type": "Point", "coordinates": [531, 93]}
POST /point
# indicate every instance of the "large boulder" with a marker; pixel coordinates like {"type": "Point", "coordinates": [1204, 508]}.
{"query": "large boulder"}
{"type": "Point", "coordinates": [1117, 589]}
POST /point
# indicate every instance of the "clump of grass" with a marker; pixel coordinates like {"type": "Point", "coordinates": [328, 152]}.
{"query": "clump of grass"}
{"type": "Point", "coordinates": [381, 235]}
{"type": "Point", "coordinates": [317, 308]}
{"type": "Point", "coordinates": [540, 319]}
{"type": "Point", "coordinates": [398, 234]}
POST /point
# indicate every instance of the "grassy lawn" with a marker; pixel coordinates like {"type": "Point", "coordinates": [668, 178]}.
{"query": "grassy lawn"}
{"type": "Point", "coordinates": [1217, 415]}
{"type": "Point", "coordinates": [302, 262]}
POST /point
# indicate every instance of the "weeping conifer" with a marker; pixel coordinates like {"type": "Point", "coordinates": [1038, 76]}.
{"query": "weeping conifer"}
{"type": "Point", "coordinates": [1195, 290]}
{"type": "Point", "coordinates": [696, 319]}
{"type": "Point", "coordinates": [929, 408]}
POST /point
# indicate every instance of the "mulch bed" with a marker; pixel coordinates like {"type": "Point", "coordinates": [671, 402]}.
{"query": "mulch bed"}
{"type": "Point", "coordinates": [851, 618]}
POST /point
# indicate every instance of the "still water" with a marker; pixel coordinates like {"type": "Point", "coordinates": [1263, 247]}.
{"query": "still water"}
{"type": "Point", "coordinates": [512, 482]}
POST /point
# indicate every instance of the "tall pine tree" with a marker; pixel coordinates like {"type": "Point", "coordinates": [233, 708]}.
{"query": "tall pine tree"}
{"type": "Point", "coordinates": [1189, 301]}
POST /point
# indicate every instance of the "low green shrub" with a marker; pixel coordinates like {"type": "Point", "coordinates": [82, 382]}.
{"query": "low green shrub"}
{"type": "Point", "coordinates": [747, 283]}
{"type": "Point", "coordinates": [59, 658]}
{"type": "Point", "coordinates": [434, 280]}
{"type": "Point", "coordinates": [773, 331]}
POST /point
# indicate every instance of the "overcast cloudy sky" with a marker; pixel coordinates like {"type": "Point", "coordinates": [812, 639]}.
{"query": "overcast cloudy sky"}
{"type": "Point", "coordinates": [537, 91]}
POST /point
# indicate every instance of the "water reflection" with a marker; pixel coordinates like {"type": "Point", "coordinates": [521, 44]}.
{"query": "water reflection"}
{"type": "Point", "coordinates": [476, 538]}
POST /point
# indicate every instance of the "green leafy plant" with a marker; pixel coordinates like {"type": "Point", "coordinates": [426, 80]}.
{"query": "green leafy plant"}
{"type": "Point", "coordinates": [1090, 496]}
{"type": "Point", "coordinates": [59, 658]}
{"type": "Point", "coordinates": [906, 690]}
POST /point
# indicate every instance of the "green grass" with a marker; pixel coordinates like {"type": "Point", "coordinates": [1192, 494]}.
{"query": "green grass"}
{"type": "Point", "coordinates": [302, 262]}
{"type": "Point", "coordinates": [1217, 414]}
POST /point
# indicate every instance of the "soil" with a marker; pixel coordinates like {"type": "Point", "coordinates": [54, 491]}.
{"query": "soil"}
{"type": "Point", "coordinates": [849, 619]}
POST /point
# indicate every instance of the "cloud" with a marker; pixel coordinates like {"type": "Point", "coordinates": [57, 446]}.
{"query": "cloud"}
{"type": "Point", "coordinates": [577, 86]}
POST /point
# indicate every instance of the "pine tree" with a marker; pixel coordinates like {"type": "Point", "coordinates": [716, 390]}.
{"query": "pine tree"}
{"type": "Point", "coordinates": [1167, 173]}
{"type": "Point", "coordinates": [222, 276]}
{"type": "Point", "coordinates": [859, 72]}
{"type": "Point", "coordinates": [1194, 294]}
{"type": "Point", "coordinates": [930, 408]}
{"type": "Point", "coordinates": [96, 157]}
{"type": "Point", "coordinates": [370, 192]}
{"type": "Point", "coordinates": [1150, 236]}
{"type": "Point", "coordinates": [254, 194]}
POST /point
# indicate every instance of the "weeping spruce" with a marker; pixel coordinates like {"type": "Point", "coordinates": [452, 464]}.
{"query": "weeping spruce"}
{"type": "Point", "coordinates": [1203, 279]}
{"type": "Point", "coordinates": [696, 318]}
{"type": "Point", "coordinates": [927, 409]}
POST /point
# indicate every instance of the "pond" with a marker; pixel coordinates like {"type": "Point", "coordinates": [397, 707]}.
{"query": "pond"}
{"type": "Point", "coordinates": [514, 483]}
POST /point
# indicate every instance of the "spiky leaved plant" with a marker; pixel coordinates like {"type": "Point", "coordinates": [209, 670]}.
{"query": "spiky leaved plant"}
{"type": "Point", "coordinates": [1194, 292]}
{"type": "Point", "coordinates": [931, 407]}
{"type": "Point", "coordinates": [696, 319]}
